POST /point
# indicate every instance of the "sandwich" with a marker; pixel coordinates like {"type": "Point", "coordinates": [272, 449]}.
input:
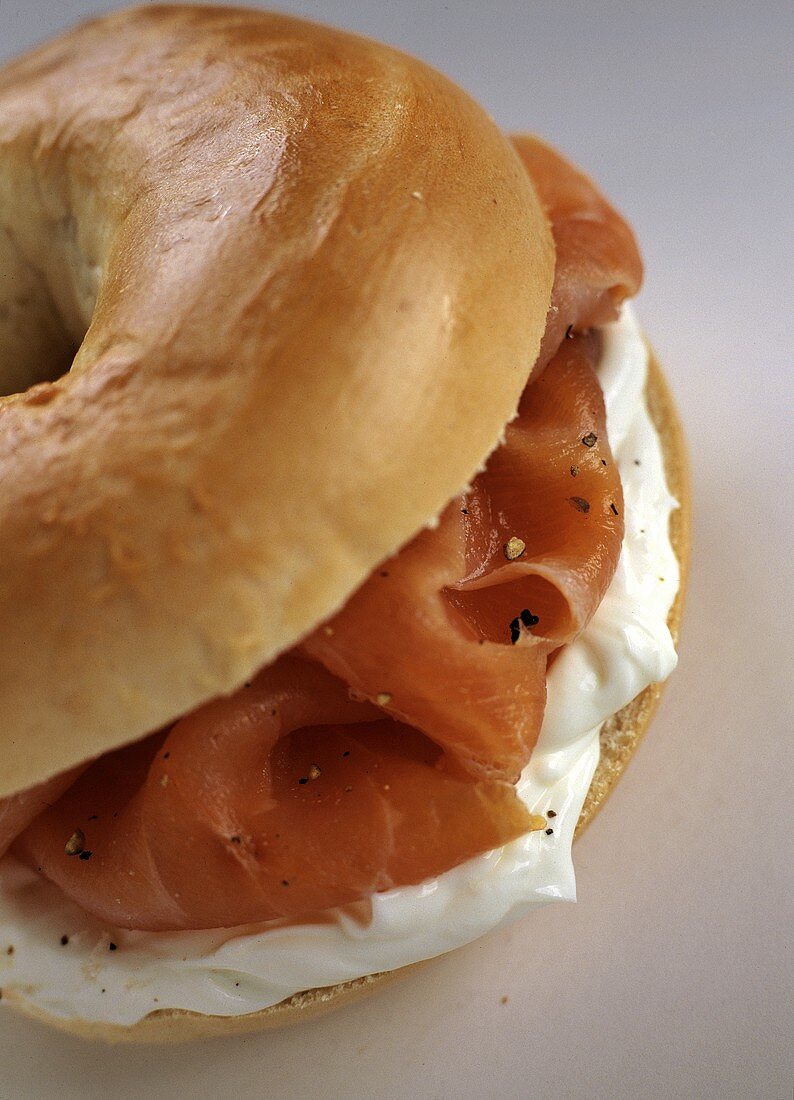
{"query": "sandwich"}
{"type": "Point", "coordinates": [343, 529]}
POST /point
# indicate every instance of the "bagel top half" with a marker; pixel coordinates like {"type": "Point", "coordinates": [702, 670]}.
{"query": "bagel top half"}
{"type": "Point", "coordinates": [303, 280]}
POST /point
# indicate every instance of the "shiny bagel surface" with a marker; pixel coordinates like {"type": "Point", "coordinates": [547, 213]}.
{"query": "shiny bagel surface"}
{"type": "Point", "coordinates": [306, 279]}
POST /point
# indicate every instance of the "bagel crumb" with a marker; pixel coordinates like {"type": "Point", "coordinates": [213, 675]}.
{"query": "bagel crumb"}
{"type": "Point", "coordinates": [514, 548]}
{"type": "Point", "coordinates": [551, 813]}
{"type": "Point", "coordinates": [315, 771]}
{"type": "Point", "coordinates": [328, 631]}
{"type": "Point", "coordinates": [504, 1000]}
{"type": "Point", "coordinates": [75, 844]}
{"type": "Point", "coordinates": [10, 949]}
{"type": "Point", "coordinates": [383, 698]}
{"type": "Point", "coordinates": [574, 471]}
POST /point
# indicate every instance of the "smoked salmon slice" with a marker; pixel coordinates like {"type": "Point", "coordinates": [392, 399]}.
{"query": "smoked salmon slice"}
{"type": "Point", "coordinates": [385, 748]}
{"type": "Point", "coordinates": [598, 262]}
{"type": "Point", "coordinates": [437, 633]}
{"type": "Point", "coordinates": [17, 811]}
{"type": "Point", "coordinates": [283, 800]}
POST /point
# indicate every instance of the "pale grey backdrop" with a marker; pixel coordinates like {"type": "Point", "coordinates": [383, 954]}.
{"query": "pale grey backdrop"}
{"type": "Point", "coordinates": [672, 976]}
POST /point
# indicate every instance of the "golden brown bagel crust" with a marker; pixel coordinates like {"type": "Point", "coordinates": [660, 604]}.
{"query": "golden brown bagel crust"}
{"type": "Point", "coordinates": [619, 738]}
{"type": "Point", "coordinates": [310, 278]}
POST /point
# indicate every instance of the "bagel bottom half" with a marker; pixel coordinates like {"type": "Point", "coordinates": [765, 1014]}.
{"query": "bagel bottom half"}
{"type": "Point", "coordinates": [620, 736]}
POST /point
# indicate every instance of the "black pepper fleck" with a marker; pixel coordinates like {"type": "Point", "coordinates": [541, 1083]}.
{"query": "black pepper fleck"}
{"type": "Point", "coordinates": [85, 855]}
{"type": "Point", "coordinates": [574, 471]}
{"type": "Point", "coordinates": [551, 813]}
{"type": "Point", "coordinates": [549, 832]}
{"type": "Point", "coordinates": [613, 509]}
{"type": "Point", "coordinates": [590, 439]}
{"type": "Point", "coordinates": [525, 618]}
{"type": "Point", "coordinates": [285, 882]}
{"type": "Point", "coordinates": [580, 504]}
{"type": "Point", "coordinates": [64, 941]}
{"type": "Point", "coordinates": [569, 332]}
{"type": "Point", "coordinates": [112, 946]}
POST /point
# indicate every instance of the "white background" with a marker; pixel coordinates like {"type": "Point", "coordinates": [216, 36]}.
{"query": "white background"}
{"type": "Point", "coordinates": [672, 976]}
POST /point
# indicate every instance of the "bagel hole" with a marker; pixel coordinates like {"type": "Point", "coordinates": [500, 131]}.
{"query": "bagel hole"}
{"type": "Point", "coordinates": [36, 344]}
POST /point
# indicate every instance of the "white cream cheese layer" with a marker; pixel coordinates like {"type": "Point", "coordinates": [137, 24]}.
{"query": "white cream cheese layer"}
{"type": "Point", "coordinates": [626, 647]}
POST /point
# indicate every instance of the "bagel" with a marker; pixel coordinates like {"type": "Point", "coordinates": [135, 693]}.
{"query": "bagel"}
{"type": "Point", "coordinates": [274, 294]}
{"type": "Point", "coordinates": [214, 434]}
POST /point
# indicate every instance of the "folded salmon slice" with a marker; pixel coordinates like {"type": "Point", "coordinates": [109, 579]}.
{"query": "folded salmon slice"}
{"type": "Point", "coordinates": [385, 749]}
{"type": "Point", "coordinates": [598, 263]}
{"type": "Point", "coordinates": [285, 799]}
{"type": "Point", "coordinates": [453, 637]}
